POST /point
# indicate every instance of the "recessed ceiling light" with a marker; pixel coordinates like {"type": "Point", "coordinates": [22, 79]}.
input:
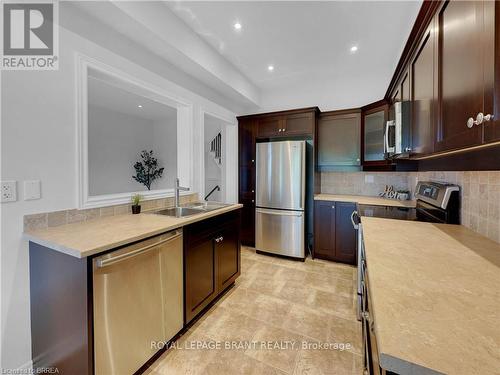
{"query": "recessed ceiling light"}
{"type": "Point", "coordinates": [237, 26]}
{"type": "Point", "coordinates": [270, 68]}
{"type": "Point", "coordinates": [140, 106]}
{"type": "Point", "coordinates": [354, 49]}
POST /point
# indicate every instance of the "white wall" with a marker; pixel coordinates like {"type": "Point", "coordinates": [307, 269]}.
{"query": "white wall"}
{"type": "Point", "coordinates": [115, 141]}
{"type": "Point", "coordinates": [165, 145]}
{"type": "Point", "coordinates": [39, 141]}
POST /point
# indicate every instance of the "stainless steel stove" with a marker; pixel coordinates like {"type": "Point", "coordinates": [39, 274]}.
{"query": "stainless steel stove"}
{"type": "Point", "coordinates": [437, 202]}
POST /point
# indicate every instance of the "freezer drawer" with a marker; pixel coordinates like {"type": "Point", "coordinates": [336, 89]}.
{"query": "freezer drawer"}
{"type": "Point", "coordinates": [280, 175]}
{"type": "Point", "coordinates": [138, 300]}
{"type": "Point", "coordinates": [280, 232]}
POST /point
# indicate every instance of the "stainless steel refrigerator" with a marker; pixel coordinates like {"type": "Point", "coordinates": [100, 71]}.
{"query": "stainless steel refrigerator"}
{"type": "Point", "coordinates": [280, 198]}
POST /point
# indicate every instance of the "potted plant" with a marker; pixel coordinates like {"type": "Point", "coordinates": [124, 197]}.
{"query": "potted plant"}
{"type": "Point", "coordinates": [147, 170]}
{"type": "Point", "coordinates": [136, 207]}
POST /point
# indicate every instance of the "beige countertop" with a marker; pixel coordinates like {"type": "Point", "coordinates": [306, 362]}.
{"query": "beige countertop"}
{"type": "Point", "coordinates": [363, 199]}
{"type": "Point", "coordinates": [94, 236]}
{"type": "Point", "coordinates": [435, 297]}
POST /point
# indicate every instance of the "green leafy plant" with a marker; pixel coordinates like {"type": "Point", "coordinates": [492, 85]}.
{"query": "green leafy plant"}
{"type": "Point", "coordinates": [147, 170]}
{"type": "Point", "coordinates": [136, 199]}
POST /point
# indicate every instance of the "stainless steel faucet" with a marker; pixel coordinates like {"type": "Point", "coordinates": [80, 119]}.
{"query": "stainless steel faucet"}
{"type": "Point", "coordinates": [177, 189]}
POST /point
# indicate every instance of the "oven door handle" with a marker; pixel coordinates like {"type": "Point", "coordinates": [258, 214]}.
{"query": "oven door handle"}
{"type": "Point", "coordinates": [354, 213]}
{"type": "Point", "coordinates": [386, 137]}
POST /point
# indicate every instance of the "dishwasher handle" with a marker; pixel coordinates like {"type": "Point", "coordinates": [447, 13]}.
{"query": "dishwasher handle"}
{"type": "Point", "coordinates": [118, 258]}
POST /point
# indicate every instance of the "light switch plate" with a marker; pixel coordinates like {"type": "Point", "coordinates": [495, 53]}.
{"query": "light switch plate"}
{"type": "Point", "coordinates": [369, 179]}
{"type": "Point", "coordinates": [8, 191]}
{"type": "Point", "coordinates": [32, 190]}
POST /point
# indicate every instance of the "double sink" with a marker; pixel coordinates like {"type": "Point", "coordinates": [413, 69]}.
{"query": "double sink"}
{"type": "Point", "coordinates": [191, 209]}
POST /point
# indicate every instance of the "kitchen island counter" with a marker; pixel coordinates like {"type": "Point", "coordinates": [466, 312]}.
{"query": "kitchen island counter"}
{"type": "Point", "coordinates": [435, 300]}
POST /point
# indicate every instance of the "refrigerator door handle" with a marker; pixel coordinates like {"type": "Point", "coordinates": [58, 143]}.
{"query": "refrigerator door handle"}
{"type": "Point", "coordinates": [279, 213]}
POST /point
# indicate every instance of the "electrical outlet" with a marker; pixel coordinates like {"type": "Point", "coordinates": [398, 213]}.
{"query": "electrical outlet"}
{"type": "Point", "coordinates": [31, 190]}
{"type": "Point", "coordinates": [8, 191]}
{"type": "Point", "coordinates": [369, 179]}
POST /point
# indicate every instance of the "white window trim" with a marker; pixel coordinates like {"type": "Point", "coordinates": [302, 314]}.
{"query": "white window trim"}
{"type": "Point", "coordinates": [184, 135]}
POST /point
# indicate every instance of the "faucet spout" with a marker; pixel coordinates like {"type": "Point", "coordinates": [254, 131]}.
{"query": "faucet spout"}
{"type": "Point", "coordinates": [177, 189]}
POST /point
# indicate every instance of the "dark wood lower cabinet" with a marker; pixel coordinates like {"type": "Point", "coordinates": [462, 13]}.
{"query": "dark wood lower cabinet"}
{"type": "Point", "coordinates": [62, 294]}
{"type": "Point", "coordinates": [334, 235]}
{"type": "Point", "coordinates": [61, 311]}
{"type": "Point", "coordinates": [200, 272]}
{"type": "Point", "coordinates": [324, 229]}
{"type": "Point", "coordinates": [211, 260]}
{"type": "Point", "coordinates": [345, 234]}
{"type": "Point", "coordinates": [248, 222]}
{"type": "Point", "coordinates": [227, 250]}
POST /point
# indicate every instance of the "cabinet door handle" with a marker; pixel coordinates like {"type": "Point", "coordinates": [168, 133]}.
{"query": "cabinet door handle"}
{"type": "Point", "coordinates": [478, 121]}
{"type": "Point", "coordinates": [333, 207]}
{"type": "Point", "coordinates": [480, 118]}
{"type": "Point", "coordinates": [283, 129]}
{"type": "Point", "coordinates": [219, 239]}
{"type": "Point", "coordinates": [279, 130]}
{"type": "Point", "coordinates": [354, 213]}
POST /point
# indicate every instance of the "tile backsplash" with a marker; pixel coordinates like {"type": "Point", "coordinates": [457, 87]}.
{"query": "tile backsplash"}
{"type": "Point", "coordinates": [480, 192]}
{"type": "Point", "coordinates": [359, 183]}
{"type": "Point", "coordinates": [54, 219]}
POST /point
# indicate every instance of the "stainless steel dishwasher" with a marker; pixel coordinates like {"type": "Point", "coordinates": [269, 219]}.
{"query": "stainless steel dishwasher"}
{"type": "Point", "coordinates": [138, 301]}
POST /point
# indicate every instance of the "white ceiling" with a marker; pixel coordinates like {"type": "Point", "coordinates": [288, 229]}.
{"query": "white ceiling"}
{"type": "Point", "coordinates": [308, 43]}
{"type": "Point", "coordinates": [306, 40]}
{"type": "Point", "coordinates": [107, 95]}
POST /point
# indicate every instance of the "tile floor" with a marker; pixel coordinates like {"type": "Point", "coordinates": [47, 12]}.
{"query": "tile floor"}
{"type": "Point", "coordinates": [280, 302]}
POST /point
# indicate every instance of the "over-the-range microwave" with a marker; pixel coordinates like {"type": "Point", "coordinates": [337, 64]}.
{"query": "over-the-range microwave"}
{"type": "Point", "coordinates": [397, 132]}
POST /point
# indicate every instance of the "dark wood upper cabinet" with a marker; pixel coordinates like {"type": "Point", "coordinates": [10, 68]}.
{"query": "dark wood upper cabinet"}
{"type": "Point", "coordinates": [373, 121]}
{"type": "Point", "coordinates": [462, 42]}
{"type": "Point", "coordinates": [339, 140]}
{"type": "Point", "coordinates": [423, 97]}
{"type": "Point", "coordinates": [246, 142]}
{"type": "Point", "coordinates": [286, 124]}
{"type": "Point", "coordinates": [299, 124]}
{"type": "Point", "coordinates": [270, 126]}
{"type": "Point", "coordinates": [334, 235]}
{"type": "Point", "coordinates": [405, 88]}
{"type": "Point", "coordinates": [492, 71]}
